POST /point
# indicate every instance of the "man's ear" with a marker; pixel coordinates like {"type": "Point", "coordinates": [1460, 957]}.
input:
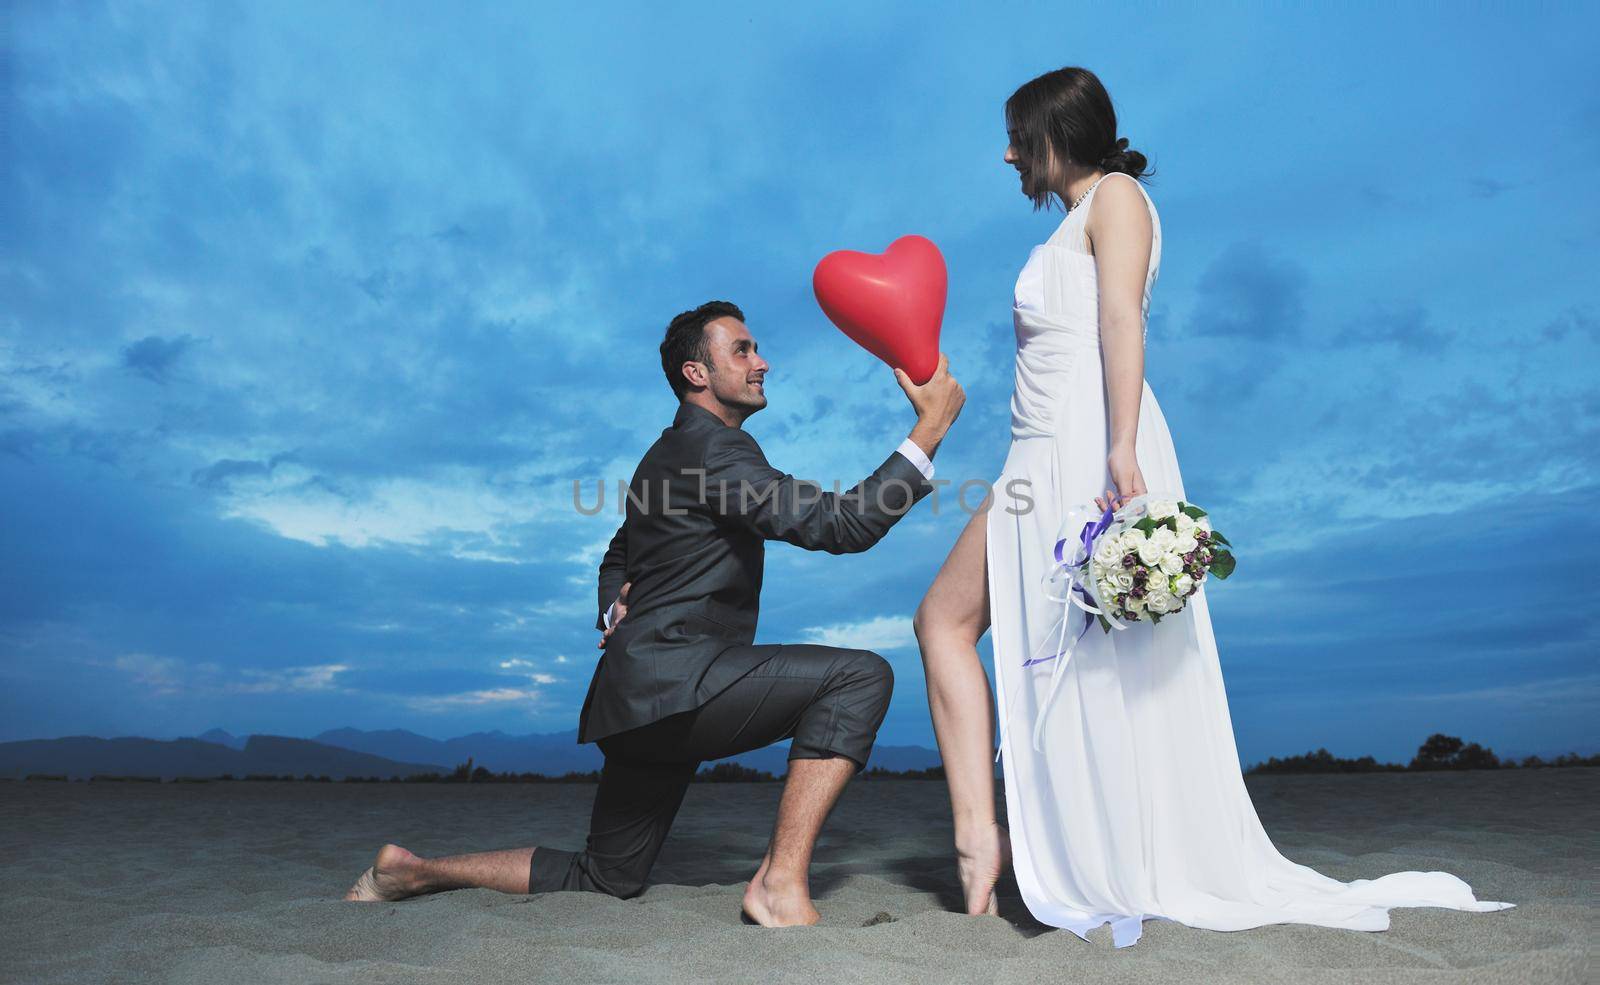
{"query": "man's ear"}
{"type": "Point", "coordinates": [695, 373]}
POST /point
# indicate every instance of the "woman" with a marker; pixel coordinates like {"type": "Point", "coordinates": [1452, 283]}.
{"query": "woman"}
{"type": "Point", "coordinates": [1132, 807]}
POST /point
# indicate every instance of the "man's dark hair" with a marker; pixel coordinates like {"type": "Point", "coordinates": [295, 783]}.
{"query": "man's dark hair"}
{"type": "Point", "coordinates": [686, 341]}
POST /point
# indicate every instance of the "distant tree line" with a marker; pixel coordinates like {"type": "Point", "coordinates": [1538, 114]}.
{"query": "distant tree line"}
{"type": "Point", "coordinates": [1439, 752]}
{"type": "Point", "coordinates": [725, 772]}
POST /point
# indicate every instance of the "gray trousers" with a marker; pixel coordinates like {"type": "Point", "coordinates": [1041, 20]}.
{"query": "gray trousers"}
{"type": "Point", "coordinates": [829, 700]}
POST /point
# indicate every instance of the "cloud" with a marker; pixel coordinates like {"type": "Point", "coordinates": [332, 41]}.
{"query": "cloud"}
{"type": "Point", "coordinates": [290, 679]}
{"type": "Point", "coordinates": [524, 668]}
{"type": "Point", "coordinates": [154, 357]}
{"type": "Point", "coordinates": [1489, 187]}
{"type": "Point", "coordinates": [1408, 326]}
{"type": "Point", "coordinates": [1559, 693]}
{"type": "Point", "coordinates": [878, 633]}
{"type": "Point", "coordinates": [162, 675]}
{"type": "Point", "coordinates": [220, 474]}
{"type": "Point", "coordinates": [511, 696]}
{"type": "Point", "coordinates": [1577, 322]}
{"type": "Point", "coordinates": [469, 509]}
{"type": "Point", "coordinates": [170, 676]}
{"type": "Point", "coordinates": [1249, 293]}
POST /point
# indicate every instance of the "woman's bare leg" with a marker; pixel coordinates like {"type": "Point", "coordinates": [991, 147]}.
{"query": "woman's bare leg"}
{"type": "Point", "coordinates": [953, 616]}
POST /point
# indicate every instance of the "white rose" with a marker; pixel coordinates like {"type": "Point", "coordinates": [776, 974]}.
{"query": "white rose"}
{"type": "Point", "coordinates": [1185, 523]}
{"type": "Point", "coordinates": [1160, 509]}
{"type": "Point", "coordinates": [1182, 585]}
{"type": "Point", "coordinates": [1171, 563]}
{"type": "Point", "coordinates": [1150, 553]}
{"type": "Point", "coordinates": [1160, 602]}
{"type": "Point", "coordinates": [1185, 543]}
{"type": "Point", "coordinates": [1124, 580]}
{"type": "Point", "coordinates": [1130, 540]}
{"type": "Point", "coordinates": [1106, 553]}
{"type": "Point", "coordinates": [1204, 523]}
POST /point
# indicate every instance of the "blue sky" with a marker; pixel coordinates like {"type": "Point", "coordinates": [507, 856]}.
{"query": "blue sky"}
{"type": "Point", "coordinates": [313, 313]}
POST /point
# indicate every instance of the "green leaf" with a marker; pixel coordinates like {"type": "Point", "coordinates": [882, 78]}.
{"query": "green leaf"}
{"type": "Point", "coordinates": [1155, 617]}
{"type": "Point", "coordinates": [1222, 564]}
{"type": "Point", "coordinates": [1217, 536]}
{"type": "Point", "coordinates": [1145, 524]}
{"type": "Point", "coordinates": [1171, 523]}
{"type": "Point", "coordinates": [1193, 511]}
{"type": "Point", "coordinates": [1104, 624]}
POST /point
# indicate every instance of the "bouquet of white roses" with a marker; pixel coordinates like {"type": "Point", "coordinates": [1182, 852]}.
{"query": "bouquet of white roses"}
{"type": "Point", "coordinates": [1146, 568]}
{"type": "Point", "coordinates": [1141, 562]}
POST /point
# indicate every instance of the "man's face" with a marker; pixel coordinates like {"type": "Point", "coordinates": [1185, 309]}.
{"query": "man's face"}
{"type": "Point", "coordinates": [737, 369]}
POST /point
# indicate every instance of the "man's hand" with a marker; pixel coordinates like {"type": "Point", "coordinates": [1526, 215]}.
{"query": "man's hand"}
{"type": "Point", "coordinates": [938, 403]}
{"type": "Point", "coordinates": [619, 608]}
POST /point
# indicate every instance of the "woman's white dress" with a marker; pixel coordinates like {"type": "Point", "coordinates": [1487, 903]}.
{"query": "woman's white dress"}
{"type": "Point", "coordinates": [1135, 808]}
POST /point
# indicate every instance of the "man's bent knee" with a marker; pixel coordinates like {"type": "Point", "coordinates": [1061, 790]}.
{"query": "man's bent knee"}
{"type": "Point", "coordinates": [620, 885]}
{"type": "Point", "coordinates": [845, 720]}
{"type": "Point", "coordinates": [871, 673]}
{"type": "Point", "coordinates": [873, 679]}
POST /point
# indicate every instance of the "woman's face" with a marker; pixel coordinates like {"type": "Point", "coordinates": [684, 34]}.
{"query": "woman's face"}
{"type": "Point", "coordinates": [1031, 173]}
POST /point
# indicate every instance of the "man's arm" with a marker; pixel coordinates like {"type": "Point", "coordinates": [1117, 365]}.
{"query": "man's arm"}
{"type": "Point", "coordinates": [914, 453]}
{"type": "Point", "coordinates": [613, 572]}
{"type": "Point", "coordinates": [743, 489]}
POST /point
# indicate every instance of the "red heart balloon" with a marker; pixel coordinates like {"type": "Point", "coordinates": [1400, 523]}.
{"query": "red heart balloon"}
{"type": "Point", "coordinates": [891, 303]}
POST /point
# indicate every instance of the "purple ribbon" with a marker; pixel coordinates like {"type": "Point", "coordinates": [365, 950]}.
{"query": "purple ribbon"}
{"type": "Point", "coordinates": [1086, 538]}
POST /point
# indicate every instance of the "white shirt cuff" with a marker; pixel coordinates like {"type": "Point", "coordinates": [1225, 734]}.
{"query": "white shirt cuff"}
{"type": "Point", "coordinates": [909, 449]}
{"type": "Point", "coordinates": [609, 609]}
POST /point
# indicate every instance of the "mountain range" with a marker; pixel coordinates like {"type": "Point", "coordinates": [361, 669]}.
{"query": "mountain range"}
{"type": "Point", "coordinates": [342, 752]}
{"type": "Point", "coordinates": [554, 753]}
{"type": "Point", "coordinates": [83, 755]}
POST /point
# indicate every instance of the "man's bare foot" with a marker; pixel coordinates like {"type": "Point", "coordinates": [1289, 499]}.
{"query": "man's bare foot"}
{"type": "Point", "coordinates": [773, 901]}
{"type": "Point", "coordinates": [979, 861]}
{"type": "Point", "coordinates": [394, 876]}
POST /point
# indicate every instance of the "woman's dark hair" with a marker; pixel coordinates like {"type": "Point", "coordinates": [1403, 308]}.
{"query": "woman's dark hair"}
{"type": "Point", "coordinates": [686, 341]}
{"type": "Point", "coordinates": [1069, 111]}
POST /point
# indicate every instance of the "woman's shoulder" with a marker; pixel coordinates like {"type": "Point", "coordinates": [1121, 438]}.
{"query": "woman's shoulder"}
{"type": "Point", "coordinates": [1127, 191]}
{"type": "Point", "coordinates": [1121, 202]}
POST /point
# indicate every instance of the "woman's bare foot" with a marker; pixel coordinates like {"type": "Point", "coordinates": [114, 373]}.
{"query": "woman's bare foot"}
{"type": "Point", "coordinates": [980, 858]}
{"type": "Point", "coordinates": [394, 876]}
{"type": "Point", "coordinates": [773, 901]}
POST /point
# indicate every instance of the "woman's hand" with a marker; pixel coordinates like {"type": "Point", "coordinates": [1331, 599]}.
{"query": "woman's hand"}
{"type": "Point", "coordinates": [1124, 468]}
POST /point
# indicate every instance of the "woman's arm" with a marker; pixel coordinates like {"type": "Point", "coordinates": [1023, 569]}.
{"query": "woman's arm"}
{"type": "Point", "coordinates": [1120, 233]}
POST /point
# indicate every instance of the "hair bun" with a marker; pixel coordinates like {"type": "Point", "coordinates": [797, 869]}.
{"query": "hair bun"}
{"type": "Point", "coordinates": [1121, 158]}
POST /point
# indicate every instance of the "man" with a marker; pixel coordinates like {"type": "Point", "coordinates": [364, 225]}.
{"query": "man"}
{"type": "Point", "coordinates": [681, 680]}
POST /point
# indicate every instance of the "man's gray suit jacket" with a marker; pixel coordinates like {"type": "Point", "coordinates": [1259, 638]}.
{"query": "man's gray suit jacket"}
{"type": "Point", "coordinates": [700, 507]}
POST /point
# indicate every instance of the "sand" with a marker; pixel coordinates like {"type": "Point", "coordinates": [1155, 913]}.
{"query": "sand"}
{"type": "Point", "coordinates": [240, 883]}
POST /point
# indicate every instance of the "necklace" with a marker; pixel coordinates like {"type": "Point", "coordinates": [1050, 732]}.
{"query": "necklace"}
{"type": "Point", "coordinates": [1085, 194]}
